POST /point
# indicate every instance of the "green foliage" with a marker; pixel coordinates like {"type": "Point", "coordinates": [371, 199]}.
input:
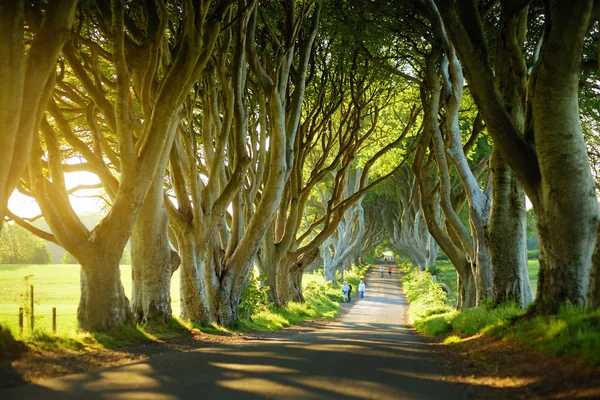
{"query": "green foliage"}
{"type": "Point", "coordinates": [321, 301]}
{"type": "Point", "coordinates": [45, 341]}
{"type": "Point", "coordinates": [533, 254]}
{"type": "Point", "coordinates": [452, 339]}
{"type": "Point", "coordinates": [442, 256]}
{"type": "Point", "coordinates": [19, 246]}
{"type": "Point", "coordinates": [68, 258]}
{"type": "Point", "coordinates": [427, 299]}
{"type": "Point", "coordinates": [253, 298]}
{"type": "Point", "coordinates": [121, 336]}
{"type": "Point", "coordinates": [433, 270]}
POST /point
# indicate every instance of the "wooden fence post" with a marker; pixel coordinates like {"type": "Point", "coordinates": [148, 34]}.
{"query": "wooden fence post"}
{"type": "Point", "coordinates": [31, 323]}
{"type": "Point", "coordinates": [21, 321]}
{"type": "Point", "coordinates": [54, 320]}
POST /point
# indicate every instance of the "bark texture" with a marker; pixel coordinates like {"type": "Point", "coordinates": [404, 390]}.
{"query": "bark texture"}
{"type": "Point", "coordinates": [507, 236]}
{"type": "Point", "coordinates": [102, 304]}
{"type": "Point", "coordinates": [152, 260]}
{"type": "Point", "coordinates": [506, 233]}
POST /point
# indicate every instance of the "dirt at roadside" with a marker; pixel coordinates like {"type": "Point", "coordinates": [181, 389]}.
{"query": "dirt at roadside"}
{"type": "Point", "coordinates": [505, 369]}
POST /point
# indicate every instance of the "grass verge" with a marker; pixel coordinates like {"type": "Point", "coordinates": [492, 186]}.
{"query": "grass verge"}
{"type": "Point", "coordinates": [321, 301]}
{"type": "Point", "coordinates": [572, 331]}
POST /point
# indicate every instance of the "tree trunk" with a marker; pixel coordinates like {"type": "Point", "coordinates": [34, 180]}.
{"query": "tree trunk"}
{"type": "Point", "coordinates": [152, 259]}
{"type": "Point", "coordinates": [194, 302]}
{"type": "Point", "coordinates": [328, 269]}
{"type": "Point", "coordinates": [283, 283]}
{"type": "Point", "coordinates": [466, 291]}
{"type": "Point", "coordinates": [228, 300]}
{"type": "Point", "coordinates": [594, 293]}
{"type": "Point", "coordinates": [296, 274]}
{"type": "Point", "coordinates": [102, 305]}
{"type": "Point", "coordinates": [566, 207]}
{"type": "Point", "coordinates": [506, 236]}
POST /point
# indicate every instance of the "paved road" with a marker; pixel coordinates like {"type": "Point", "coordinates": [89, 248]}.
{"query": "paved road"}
{"type": "Point", "coordinates": [369, 353]}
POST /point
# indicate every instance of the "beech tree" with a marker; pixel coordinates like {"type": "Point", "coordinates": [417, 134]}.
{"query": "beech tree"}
{"type": "Point", "coordinates": [548, 156]}
{"type": "Point", "coordinates": [144, 135]}
{"type": "Point", "coordinates": [347, 239]}
{"type": "Point", "coordinates": [247, 144]}
{"type": "Point", "coordinates": [404, 220]}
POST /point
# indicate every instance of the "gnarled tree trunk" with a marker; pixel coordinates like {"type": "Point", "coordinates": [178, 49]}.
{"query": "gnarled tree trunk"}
{"type": "Point", "coordinates": [507, 238]}
{"type": "Point", "coordinates": [506, 232]}
{"type": "Point", "coordinates": [152, 259]}
{"type": "Point", "coordinates": [102, 304]}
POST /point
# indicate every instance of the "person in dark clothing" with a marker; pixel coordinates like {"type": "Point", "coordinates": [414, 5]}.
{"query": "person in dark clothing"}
{"type": "Point", "coordinates": [349, 292]}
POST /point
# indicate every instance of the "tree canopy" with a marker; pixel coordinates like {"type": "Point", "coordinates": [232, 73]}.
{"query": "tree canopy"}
{"type": "Point", "coordinates": [233, 134]}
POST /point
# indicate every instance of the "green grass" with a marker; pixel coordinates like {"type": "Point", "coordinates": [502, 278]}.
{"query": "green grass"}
{"type": "Point", "coordinates": [321, 301]}
{"type": "Point", "coordinates": [572, 331]}
{"type": "Point", "coordinates": [447, 274]}
{"type": "Point", "coordinates": [58, 286]}
{"type": "Point", "coordinates": [55, 285]}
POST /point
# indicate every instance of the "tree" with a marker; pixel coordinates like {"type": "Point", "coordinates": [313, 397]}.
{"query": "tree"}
{"type": "Point", "coordinates": [340, 247]}
{"type": "Point", "coordinates": [548, 156]}
{"type": "Point", "coordinates": [18, 246]}
{"type": "Point", "coordinates": [68, 258]}
{"type": "Point", "coordinates": [144, 127]}
{"type": "Point", "coordinates": [403, 218]}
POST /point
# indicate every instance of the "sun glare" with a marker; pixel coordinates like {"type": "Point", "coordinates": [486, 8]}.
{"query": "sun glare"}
{"type": "Point", "coordinates": [83, 201]}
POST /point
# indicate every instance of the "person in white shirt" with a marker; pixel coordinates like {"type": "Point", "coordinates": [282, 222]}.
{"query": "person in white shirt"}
{"type": "Point", "coordinates": [382, 270]}
{"type": "Point", "coordinates": [361, 289]}
{"type": "Point", "coordinates": [345, 292]}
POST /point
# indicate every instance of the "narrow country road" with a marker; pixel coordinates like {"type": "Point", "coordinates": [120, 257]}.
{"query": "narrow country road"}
{"type": "Point", "coordinates": [369, 353]}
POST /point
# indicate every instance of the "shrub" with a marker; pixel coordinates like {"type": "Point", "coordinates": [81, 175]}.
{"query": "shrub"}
{"type": "Point", "coordinates": [533, 254]}
{"type": "Point", "coordinates": [442, 256]}
{"type": "Point", "coordinates": [253, 298]}
{"type": "Point", "coordinates": [433, 270]}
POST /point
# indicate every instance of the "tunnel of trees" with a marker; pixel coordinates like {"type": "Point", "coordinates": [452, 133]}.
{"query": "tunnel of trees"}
{"type": "Point", "coordinates": [234, 134]}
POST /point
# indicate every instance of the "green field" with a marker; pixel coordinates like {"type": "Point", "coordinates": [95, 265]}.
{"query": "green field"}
{"type": "Point", "coordinates": [447, 274]}
{"type": "Point", "coordinates": [55, 285]}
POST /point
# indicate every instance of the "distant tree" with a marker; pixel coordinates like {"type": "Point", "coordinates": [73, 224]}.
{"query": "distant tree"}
{"type": "Point", "coordinates": [68, 258]}
{"type": "Point", "coordinates": [41, 254]}
{"type": "Point", "coordinates": [18, 246]}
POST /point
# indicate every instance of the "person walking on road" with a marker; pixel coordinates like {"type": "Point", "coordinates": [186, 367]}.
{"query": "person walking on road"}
{"type": "Point", "coordinates": [349, 292]}
{"type": "Point", "coordinates": [345, 289]}
{"type": "Point", "coordinates": [361, 289]}
{"type": "Point", "coordinates": [382, 270]}
{"type": "Point", "coordinates": [390, 271]}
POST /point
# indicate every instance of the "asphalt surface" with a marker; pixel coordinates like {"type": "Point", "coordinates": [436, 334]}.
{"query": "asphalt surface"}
{"type": "Point", "coordinates": [368, 353]}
